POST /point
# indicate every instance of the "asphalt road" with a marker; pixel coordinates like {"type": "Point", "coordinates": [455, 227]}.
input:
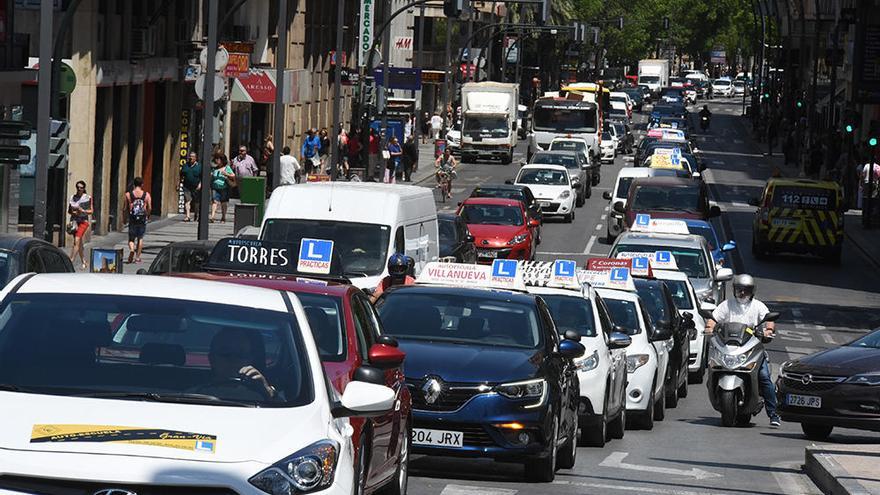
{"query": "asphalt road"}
{"type": "Point", "coordinates": [689, 452]}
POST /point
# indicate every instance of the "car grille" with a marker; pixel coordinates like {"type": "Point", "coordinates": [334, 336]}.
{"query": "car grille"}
{"type": "Point", "coordinates": [50, 486]}
{"type": "Point", "coordinates": [549, 208]}
{"type": "Point", "coordinates": [474, 435]}
{"type": "Point", "coordinates": [453, 396]}
{"type": "Point", "coordinates": [815, 383]}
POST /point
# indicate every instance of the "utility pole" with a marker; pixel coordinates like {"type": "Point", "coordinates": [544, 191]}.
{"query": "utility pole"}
{"type": "Point", "coordinates": [44, 96]}
{"type": "Point", "coordinates": [280, 66]}
{"type": "Point", "coordinates": [447, 80]}
{"type": "Point", "coordinates": [335, 159]}
{"type": "Point", "coordinates": [208, 122]}
{"type": "Point", "coordinates": [386, 56]}
{"type": "Point", "coordinates": [470, 34]}
{"type": "Point", "coordinates": [417, 123]}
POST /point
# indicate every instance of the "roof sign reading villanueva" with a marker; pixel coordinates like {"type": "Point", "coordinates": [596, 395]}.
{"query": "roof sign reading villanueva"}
{"type": "Point", "coordinates": [366, 31]}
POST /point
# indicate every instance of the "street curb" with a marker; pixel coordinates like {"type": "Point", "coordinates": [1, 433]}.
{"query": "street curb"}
{"type": "Point", "coordinates": [868, 254]}
{"type": "Point", "coordinates": [828, 475]}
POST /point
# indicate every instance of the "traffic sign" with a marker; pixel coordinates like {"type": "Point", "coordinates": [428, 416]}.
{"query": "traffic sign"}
{"type": "Point", "coordinates": [220, 61]}
{"type": "Point", "coordinates": [504, 268]}
{"type": "Point", "coordinates": [219, 87]}
{"type": "Point", "coordinates": [315, 256]}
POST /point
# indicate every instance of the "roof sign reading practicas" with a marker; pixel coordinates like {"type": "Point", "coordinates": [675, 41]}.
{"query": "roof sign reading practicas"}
{"type": "Point", "coordinates": [659, 260]}
{"type": "Point", "coordinates": [564, 273]}
{"type": "Point", "coordinates": [505, 275]}
{"type": "Point", "coordinates": [641, 267]}
{"type": "Point", "coordinates": [561, 274]}
{"type": "Point", "coordinates": [642, 220]}
{"type": "Point", "coordinates": [315, 256]}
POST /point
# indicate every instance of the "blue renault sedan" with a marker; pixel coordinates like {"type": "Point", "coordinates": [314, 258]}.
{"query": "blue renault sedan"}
{"type": "Point", "coordinates": [705, 229]}
{"type": "Point", "coordinates": [489, 375]}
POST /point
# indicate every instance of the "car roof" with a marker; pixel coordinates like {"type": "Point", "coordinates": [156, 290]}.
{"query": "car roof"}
{"type": "Point", "coordinates": [669, 275]}
{"type": "Point", "coordinates": [556, 152]}
{"type": "Point", "coordinates": [697, 222]}
{"type": "Point", "coordinates": [618, 294]}
{"type": "Point", "coordinates": [568, 138]}
{"type": "Point", "coordinates": [666, 181]}
{"type": "Point", "coordinates": [654, 239]}
{"type": "Point", "coordinates": [290, 283]}
{"type": "Point", "coordinates": [492, 201]}
{"type": "Point", "coordinates": [446, 217]}
{"type": "Point", "coordinates": [501, 187]}
{"type": "Point", "coordinates": [177, 288]}
{"type": "Point", "coordinates": [472, 293]}
{"type": "Point", "coordinates": [802, 183]}
{"type": "Point", "coordinates": [635, 172]}
{"type": "Point", "coordinates": [543, 166]}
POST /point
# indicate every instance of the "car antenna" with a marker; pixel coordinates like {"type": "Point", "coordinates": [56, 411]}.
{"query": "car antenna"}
{"type": "Point", "coordinates": [330, 201]}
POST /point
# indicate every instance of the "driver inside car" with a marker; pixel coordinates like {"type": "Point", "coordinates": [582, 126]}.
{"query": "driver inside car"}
{"type": "Point", "coordinates": [233, 359]}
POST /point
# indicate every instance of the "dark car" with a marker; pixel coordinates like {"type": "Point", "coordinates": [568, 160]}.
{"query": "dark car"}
{"type": "Point", "coordinates": [181, 257]}
{"type": "Point", "coordinates": [20, 254]}
{"type": "Point", "coordinates": [667, 321]}
{"type": "Point", "coordinates": [489, 375]}
{"type": "Point", "coordinates": [637, 96]}
{"type": "Point", "coordinates": [456, 243]}
{"type": "Point", "coordinates": [834, 387]}
{"type": "Point", "coordinates": [662, 109]}
{"type": "Point", "coordinates": [513, 191]}
{"type": "Point", "coordinates": [668, 197]}
{"type": "Point", "coordinates": [626, 141]}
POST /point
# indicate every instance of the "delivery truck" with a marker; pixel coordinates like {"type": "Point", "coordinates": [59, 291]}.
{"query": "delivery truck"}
{"type": "Point", "coordinates": [489, 120]}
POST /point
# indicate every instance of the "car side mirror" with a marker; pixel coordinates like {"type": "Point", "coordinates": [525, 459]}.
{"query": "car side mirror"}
{"type": "Point", "coordinates": [662, 331]}
{"type": "Point", "coordinates": [576, 185]}
{"type": "Point", "coordinates": [534, 222]}
{"type": "Point", "coordinates": [723, 275]}
{"type": "Point", "coordinates": [771, 316]}
{"type": "Point", "coordinates": [523, 163]}
{"type": "Point", "coordinates": [387, 340]}
{"type": "Point", "coordinates": [706, 309]}
{"type": "Point", "coordinates": [470, 238]}
{"type": "Point", "coordinates": [384, 356]}
{"type": "Point", "coordinates": [459, 203]}
{"type": "Point", "coordinates": [508, 182]}
{"type": "Point", "coordinates": [619, 340]}
{"type": "Point", "coordinates": [618, 207]}
{"type": "Point", "coordinates": [714, 211]}
{"type": "Point", "coordinates": [755, 201]}
{"type": "Point", "coordinates": [730, 246]}
{"type": "Point", "coordinates": [607, 196]}
{"type": "Point", "coordinates": [572, 335]}
{"type": "Point", "coordinates": [364, 399]}
{"type": "Point", "coordinates": [571, 349]}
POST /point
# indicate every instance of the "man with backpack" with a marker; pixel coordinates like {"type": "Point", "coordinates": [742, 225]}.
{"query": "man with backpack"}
{"type": "Point", "coordinates": [138, 205]}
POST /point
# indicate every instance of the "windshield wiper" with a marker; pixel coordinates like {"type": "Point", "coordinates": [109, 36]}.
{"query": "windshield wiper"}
{"type": "Point", "coordinates": [356, 274]}
{"type": "Point", "coordinates": [176, 398]}
{"type": "Point", "coordinates": [10, 387]}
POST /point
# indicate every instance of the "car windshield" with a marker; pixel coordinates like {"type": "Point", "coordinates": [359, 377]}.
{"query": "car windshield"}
{"type": "Point", "coordinates": [619, 129]}
{"type": "Point", "coordinates": [489, 125]}
{"type": "Point", "coordinates": [871, 340]}
{"type": "Point", "coordinates": [571, 313]}
{"type": "Point", "coordinates": [654, 299]}
{"type": "Point", "coordinates": [158, 349]}
{"type": "Point", "coordinates": [446, 228]}
{"type": "Point", "coordinates": [707, 233]}
{"type": "Point", "coordinates": [326, 318]}
{"type": "Point", "coordinates": [491, 215]}
{"type": "Point", "coordinates": [566, 160]}
{"type": "Point", "coordinates": [578, 146]}
{"type": "Point", "coordinates": [721, 82]}
{"type": "Point", "coordinates": [563, 118]}
{"type": "Point", "coordinates": [624, 314]}
{"type": "Point", "coordinates": [542, 176]}
{"type": "Point", "coordinates": [623, 186]}
{"type": "Point", "coordinates": [606, 136]}
{"type": "Point", "coordinates": [459, 319]}
{"type": "Point", "coordinates": [690, 261]}
{"type": "Point", "coordinates": [649, 79]}
{"type": "Point", "coordinates": [666, 198]}
{"type": "Point", "coordinates": [362, 247]}
{"type": "Point", "coordinates": [680, 296]}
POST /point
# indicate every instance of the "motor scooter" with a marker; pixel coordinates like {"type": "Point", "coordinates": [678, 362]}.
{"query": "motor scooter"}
{"type": "Point", "coordinates": [704, 122]}
{"type": "Point", "coordinates": [736, 354]}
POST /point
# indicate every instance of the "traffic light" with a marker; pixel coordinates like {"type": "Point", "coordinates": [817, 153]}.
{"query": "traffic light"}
{"type": "Point", "coordinates": [12, 149]}
{"type": "Point", "coordinates": [59, 144]}
{"type": "Point", "coordinates": [849, 128]}
{"type": "Point", "coordinates": [799, 103]}
{"type": "Point", "coordinates": [872, 141]}
{"type": "Point", "coordinates": [453, 8]}
{"type": "Point", "coordinates": [620, 22]}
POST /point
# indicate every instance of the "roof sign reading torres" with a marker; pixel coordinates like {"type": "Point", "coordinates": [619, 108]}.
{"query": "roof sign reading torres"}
{"type": "Point", "coordinates": [366, 31]}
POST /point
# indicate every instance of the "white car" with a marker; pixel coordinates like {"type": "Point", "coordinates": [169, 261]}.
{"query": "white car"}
{"type": "Point", "coordinates": [688, 307]}
{"type": "Point", "coordinates": [602, 369]}
{"type": "Point", "coordinates": [623, 97]}
{"type": "Point", "coordinates": [722, 87]}
{"type": "Point", "coordinates": [608, 147]}
{"type": "Point", "coordinates": [646, 359]}
{"type": "Point", "coordinates": [126, 384]}
{"type": "Point", "coordinates": [552, 188]}
{"type": "Point", "coordinates": [619, 195]}
{"type": "Point", "coordinates": [739, 88]}
{"type": "Point", "coordinates": [453, 140]}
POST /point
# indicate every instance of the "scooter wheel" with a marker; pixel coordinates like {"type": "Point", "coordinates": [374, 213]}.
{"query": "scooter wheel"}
{"type": "Point", "coordinates": [728, 408]}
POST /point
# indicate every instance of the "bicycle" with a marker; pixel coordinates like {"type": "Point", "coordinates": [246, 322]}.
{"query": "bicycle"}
{"type": "Point", "coordinates": [445, 180]}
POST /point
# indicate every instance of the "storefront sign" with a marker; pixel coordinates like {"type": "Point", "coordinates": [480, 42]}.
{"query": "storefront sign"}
{"type": "Point", "coordinates": [403, 43]}
{"type": "Point", "coordinates": [365, 31]}
{"type": "Point", "coordinates": [258, 86]}
{"type": "Point", "coordinates": [239, 64]}
{"type": "Point", "coordinates": [182, 154]}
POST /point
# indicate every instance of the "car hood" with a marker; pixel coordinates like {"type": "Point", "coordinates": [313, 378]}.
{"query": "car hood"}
{"type": "Point", "coordinates": [469, 362]}
{"type": "Point", "coordinates": [53, 424]}
{"type": "Point", "coordinates": [547, 193]}
{"type": "Point", "coordinates": [494, 233]}
{"type": "Point", "coordinates": [842, 361]}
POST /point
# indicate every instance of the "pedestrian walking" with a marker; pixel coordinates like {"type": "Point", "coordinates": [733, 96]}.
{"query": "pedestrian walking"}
{"type": "Point", "coordinates": [79, 207]}
{"type": "Point", "coordinates": [410, 157]}
{"type": "Point", "coordinates": [426, 127]}
{"type": "Point", "coordinates": [436, 124]}
{"type": "Point", "coordinates": [268, 150]}
{"type": "Point", "coordinates": [394, 157]}
{"type": "Point", "coordinates": [865, 176]}
{"type": "Point", "coordinates": [243, 165]}
{"type": "Point", "coordinates": [354, 149]}
{"type": "Point", "coordinates": [289, 173]}
{"type": "Point", "coordinates": [191, 182]}
{"type": "Point", "coordinates": [342, 141]}
{"type": "Point", "coordinates": [324, 150]}
{"type": "Point", "coordinates": [373, 154]}
{"type": "Point", "coordinates": [138, 204]}
{"type": "Point", "coordinates": [222, 180]}
{"type": "Point", "coordinates": [309, 152]}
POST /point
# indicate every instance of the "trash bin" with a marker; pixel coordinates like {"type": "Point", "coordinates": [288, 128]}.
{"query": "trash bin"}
{"type": "Point", "coordinates": [253, 192]}
{"type": "Point", "coordinates": [245, 216]}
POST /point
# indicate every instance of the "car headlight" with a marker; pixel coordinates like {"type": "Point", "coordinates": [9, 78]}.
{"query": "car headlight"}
{"type": "Point", "coordinates": [309, 470]}
{"type": "Point", "coordinates": [518, 239]}
{"type": "Point", "coordinates": [587, 363]}
{"type": "Point", "coordinates": [565, 194]}
{"type": "Point", "coordinates": [870, 379]}
{"type": "Point", "coordinates": [636, 361]}
{"type": "Point", "coordinates": [527, 389]}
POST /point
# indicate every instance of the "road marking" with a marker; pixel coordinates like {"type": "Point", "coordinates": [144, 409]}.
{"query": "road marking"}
{"type": "Point", "coordinates": [803, 351]}
{"type": "Point", "coordinates": [829, 339]}
{"type": "Point", "coordinates": [603, 217]}
{"type": "Point", "coordinates": [475, 490]}
{"type": "Point", "coordinates": [793, 483]}
{"type": "Point", "coordinates": [808, 326]}
{"type": "Point", "coordinates": [615, 460]}
{"type": "Point", "coordinates": [599, 227]}
{"type": "Point", "coordinates": [629, 488]}
{"type": "Point", "coordinates": [590, 245]}
{"type": "Point", "coordinates": [793, 335]}
{"type": "Point", "coordinates": [608, 208]}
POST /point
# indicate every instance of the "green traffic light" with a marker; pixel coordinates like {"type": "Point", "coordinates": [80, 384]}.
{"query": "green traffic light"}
{"type": "Point", "coordinates": [800, 104]}
{"type": "Point", "coordinates": [849, 128]}
{"type": "Point", "coordinates": [872, 141]}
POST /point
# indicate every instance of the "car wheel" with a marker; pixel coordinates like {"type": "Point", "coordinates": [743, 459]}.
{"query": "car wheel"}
{"type": "Point", "coordinates": [580, 201]}
{"type": "Point", "coordinates": [568, 452]}
{"type": "Point", "coordinates": [816, 432]}
{"type": "Point", "coordinates": [569, 217]}
{"type": "Point", "coordinates": [507, 160]}
{"type": "Point", "coordinates": [589, 191]}
{"type": "Point", "coordinates": [683, 390]}
{"type": "Point", "coordinates": [697, 376]}
{"type": "Point", "coordinates": [397, 485]}
{"type": "Point", "coordinates": [660, 406]}
{"type": "Point", "coordinates": [596, 179]}
{"type": "Point", "coordinates": [594, 434]}
{"type": "Point", "coordinates": [645, 420]}
{"type": "Point", "coordinates": [543, 469]}
{"type": "Point", "coordinates": [671, 396]}
{"type": "Point", "coordinates": [617, 428]}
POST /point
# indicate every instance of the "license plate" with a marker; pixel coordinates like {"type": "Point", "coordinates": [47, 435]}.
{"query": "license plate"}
{"type": "Point", "coordinates": [544, 204]}
{"type": "Point", "coordinates": [803, 401]}
{"type": "Point", "coordinates": [439, 438]}
{"type": "Point", "coordinates": [786, 223]}
{"type": "Point", "coordinates": [487, 253]}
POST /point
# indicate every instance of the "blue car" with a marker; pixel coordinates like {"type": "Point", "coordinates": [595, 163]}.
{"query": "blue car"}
{"type": "Point", "coordinates": [489, 375]}
{"type": "Point", "coordinates": [719, 251]}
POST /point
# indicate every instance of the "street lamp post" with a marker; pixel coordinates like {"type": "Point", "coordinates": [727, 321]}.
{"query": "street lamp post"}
{"type": "Point", "coordinates": [208, 116]}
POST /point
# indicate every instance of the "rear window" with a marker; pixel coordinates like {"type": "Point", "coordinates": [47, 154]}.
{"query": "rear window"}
{"type": "Point", "coordinates": [804, 198]}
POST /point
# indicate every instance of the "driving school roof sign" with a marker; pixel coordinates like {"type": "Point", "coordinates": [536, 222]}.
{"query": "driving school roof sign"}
{"type": "Point", "coordinates": [315, 256]}
{"type": "Point", "coordinates": [504, 274]}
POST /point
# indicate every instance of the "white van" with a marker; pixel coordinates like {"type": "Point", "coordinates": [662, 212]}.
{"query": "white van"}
{"type": "Point", "coordinates": [368, 222]}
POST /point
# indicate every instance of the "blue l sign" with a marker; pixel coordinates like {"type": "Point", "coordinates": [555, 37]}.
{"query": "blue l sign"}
{"type": "Point", "coordinates": [619, 274]}
{"type": "Point", "coordinates": [643, 220]}
{"type": "Point", "coordinates": [663, 256]}
{"type": "Point", "coordinates": [504, 268]}
{"type": "Point", "coordinates": [564, 268]}
{"type": "Point", "coordinates": [640, 263]}
{"type": "Point", "coordinates": [315, 250]}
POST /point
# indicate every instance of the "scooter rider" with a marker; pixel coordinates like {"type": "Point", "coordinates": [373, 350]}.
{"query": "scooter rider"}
{"type": "Point", "coordinates": [398, 269]}
{"type": "Point", "coordinates": [705, 116]}
{"type": "Point", "coordinates": [747, 310]}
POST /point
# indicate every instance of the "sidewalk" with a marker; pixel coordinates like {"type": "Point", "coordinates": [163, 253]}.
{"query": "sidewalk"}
{"type": "Point", "coordinates": [844, 469]}
{"type": "Point", "coordinates": [173, 229]}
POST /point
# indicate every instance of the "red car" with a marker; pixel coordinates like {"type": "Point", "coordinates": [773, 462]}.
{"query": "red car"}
{"type": "Point", "coordinates": [349, 337]}
{"type": "Point", "coordinates": [501, 228]}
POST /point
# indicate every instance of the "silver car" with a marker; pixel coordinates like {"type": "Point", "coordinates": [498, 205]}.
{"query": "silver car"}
{"type": "Point", "coordinates": [692, 255]}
